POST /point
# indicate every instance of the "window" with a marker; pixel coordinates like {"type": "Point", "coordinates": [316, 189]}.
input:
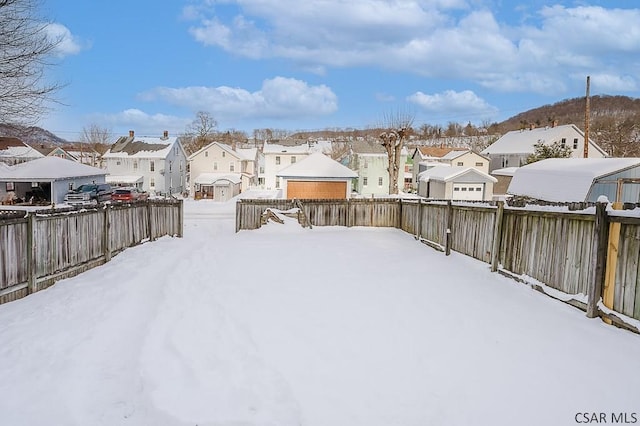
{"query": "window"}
{"type": "Point", "coordinates": [170, 165]}
{"type": "Point", "coordinates": [380, 181]}
{"type": "Point", "coordinates": [215, 165]}
{"type": "Point", "coordinates": [118, 163]}
{"type": "Point", "coordinates": [152, 183]}
{"type": "Point", "coordinates": [464, 188]}
{"type": "Point", "coordinates": [460, 163]}
{"type": "Point", "coordinates": [277, 160]}
{"type": "Point", "coordinates": [563, 142]}
{"type": "Point", "coordinates": [224, 154]}
{"type": "Point", "coordinates": [277, 183]}
{"type": "Point", "coordinates": [293, 159]}
{"type": "Point", "coordinates": [261, 169]}
{"type": "Point", "coordinates": [152, 166]}
{"type": "Point", "coordinates": [456, 189]}
{"type": "Point", "coordinates": [575, 143]}
{"type": "Point", "coordinates": [206, 153]}
{"type": "Point", "coordinates": [366, 165]}
{"type": "Point", "coordinates": [232, 167]}
{"type": "Point", "coordinates": [11, 186]}
{"type": "Point", "coordinates": [478, 189]}
{"type": "Point", "coordinates": [135, 165]}
{"type": "Point", "coordinates": [365, 181]}
{"type": "Point", "coordinates": [180, 165]}
{"type": "Point", "coordinates": [479, 164]}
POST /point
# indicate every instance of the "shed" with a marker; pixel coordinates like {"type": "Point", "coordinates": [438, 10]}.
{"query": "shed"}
{"type": "Point", "coordinates": [49, 178]}
{"type": "Point", "coordinates": [317, 177]}
{"type": "Point", "coordinates": [579, 179]}
{"type": "Point", "coordinates": [456, 183]}
{"type": "Point", "coordinates": [217, 186]}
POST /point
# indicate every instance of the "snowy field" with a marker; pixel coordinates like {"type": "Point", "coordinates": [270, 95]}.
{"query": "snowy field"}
{"type": "Point", "coordinates": [287, 326]}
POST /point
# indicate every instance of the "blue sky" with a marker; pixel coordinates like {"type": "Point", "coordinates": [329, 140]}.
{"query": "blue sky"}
{"type": "Point", "coordinates": [150, 66]}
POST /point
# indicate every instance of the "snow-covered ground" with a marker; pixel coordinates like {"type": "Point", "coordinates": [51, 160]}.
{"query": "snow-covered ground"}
{"type": "Point", "coordinates": [286, 326]}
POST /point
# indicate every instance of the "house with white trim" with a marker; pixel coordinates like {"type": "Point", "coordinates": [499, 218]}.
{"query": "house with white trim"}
{"type": "Point", "coordinates": [277, 157]}
{"type": "Point", "coordinates": [446, 182]}
{"type": "Point", "coordinates": [513, 148]}
{"type": "Point", "coordinates": [426, 157]}
{"type": "Point", "coordinates": [157, 165]}
{"type": "Point", "coordinates": [369, 159]}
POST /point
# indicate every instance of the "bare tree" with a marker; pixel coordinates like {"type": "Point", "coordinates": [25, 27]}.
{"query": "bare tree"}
{"type": "Point", "coordinates": [200, 131]}
{"type": "Point", "coordinates": [25, 49]}
{"type": "Point", "coordinates": [398, 127]}
{"type": "Point", "coordinates": [95, 134]}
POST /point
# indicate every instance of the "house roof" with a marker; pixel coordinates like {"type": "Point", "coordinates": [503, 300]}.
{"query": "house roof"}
{"type": "Point", "coordinates": [222, 146]}
{"type": "Point", "coordinates": [49, 168]}
{"type": "Point", "coordinates": [14, 148]}
{"type": "Point", "coordinates": [565, 179]}
{"type": "Point", "coordinates": [270, 148]}
{"type": "Point", "coordinates": [448, 173]}
{"type": "Point", "coordinates": [128, 179]}
{"type": "Point", "coordinates": [247, 153]}
{"type": "Point", "coordinates": [507, 171]}
{"type": "Point", "coordinates": [212, 178]}
{"type": "Point", "coordinates": [141, 147]}
{"type": "Point", "coordinates": [368, 147]}
{"type": "Point", "coordinates": [317, 165]}
{"type": "Point", "coordinates": [523, 141]}
{"type": "Point", "coordinates": [436, 151]}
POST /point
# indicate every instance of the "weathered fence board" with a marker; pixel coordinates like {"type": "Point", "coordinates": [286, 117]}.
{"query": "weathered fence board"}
{"type": "Point", "coordinates": [472, 231]}
{"type": "Point", "coordinates": [627, 293]}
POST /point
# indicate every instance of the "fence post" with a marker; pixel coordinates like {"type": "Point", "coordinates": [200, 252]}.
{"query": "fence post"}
{"type": "Point", "coordinates": [150, 220]}
{"type": "Point", "coordinates": [31, 253]}
{"type": "Point", "coordinates": [400, 215]}
{"type": "Point", "coordinates": [612, 262]}
{"type": "Point", "coordinates": [348, 212]}
{"type": "Point", "coordinates": [601, 237]}
{"type": "Point", "coordinates": [106, 236]}
{"type": "Point", "coordinates": [418, 226]}
{"type": "Point", "coordinates": [447, 247]}
{"type": "Point", "coordinates": [497, 237]}
{"type": "Point", "coordinates": [238, 215]}
{"type": "Point", "coordinates": [180, 219]}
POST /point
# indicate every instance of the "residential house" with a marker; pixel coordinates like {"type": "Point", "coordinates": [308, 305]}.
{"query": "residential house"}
{"type": "Point", "coordinates": [216, 186]}
{"type": "Point", "coordinates": [55, 151]}
{"type": "Point", "coordinates": [218, 160]}
{"type": "Point", "coordinates": [277, 157]}
{"type": "Point", "coordinates": [316, 176]}
{"type": "Point", "coordinates": [370, 161]}
{"type": "Point", "coordinates": [513, 148]}
{"type": "Point", "coordinates": [504, 177]}
{"type": "Point", "coordinates": [579, 180]}
{"type": "Point", "coordinates": [49, 178]}
{"type": "Point", "coordinates": [14, 151]}
{"type": "Point", "coordinates": [446, 182]}
{"type": "Point", "coordinates": [155, 164]}
{"type": "Point", "coordinates": [425, 157]}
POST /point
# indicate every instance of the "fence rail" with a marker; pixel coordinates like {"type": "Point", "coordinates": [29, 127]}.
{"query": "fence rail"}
{"type": "Point", "coordinates": [41, 248]}
{"type": "Point", "coordinates": [560, 249]}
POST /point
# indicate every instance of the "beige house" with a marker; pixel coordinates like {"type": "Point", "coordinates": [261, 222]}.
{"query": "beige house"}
{"type": "Point", "coordinates": [456, 183]}
{"type": "Point", "coordinates": [278, 157]}
{"type": "Point", "coordinates": [426, 157]}
{"type": "Point", "coordinates": [221, 160]}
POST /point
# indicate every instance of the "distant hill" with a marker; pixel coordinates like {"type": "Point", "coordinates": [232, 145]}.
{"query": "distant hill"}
{"type": "Point", "coordinates": [32, 135]}
{"type": "Point", "coordinates": [572, 111]}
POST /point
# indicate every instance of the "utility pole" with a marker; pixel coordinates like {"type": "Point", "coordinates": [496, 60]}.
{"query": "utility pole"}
{"type": "Point", "coordinates": [586, 122]}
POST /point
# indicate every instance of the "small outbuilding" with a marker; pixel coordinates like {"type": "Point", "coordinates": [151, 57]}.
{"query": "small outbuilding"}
{"type": "Point", "coordinates": [579, 180]}
{"type": "Point", "coordinates": [46, 179]}
{"type": "Point", "coordinates": [456, 183]}
{"type": "Point", "coordinates": [217, 186]}
{"type": "Point", "coordinates": [316, 177]}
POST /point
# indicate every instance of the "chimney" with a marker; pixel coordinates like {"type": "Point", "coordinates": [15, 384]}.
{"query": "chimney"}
{"type": "Point", "coordinates": [131, 133]}
{"type": "Point", "coordinates": [165, 134]}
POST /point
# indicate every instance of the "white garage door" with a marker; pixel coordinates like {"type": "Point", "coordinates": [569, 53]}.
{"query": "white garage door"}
{"type": "Point", "coordinates": [468, 191]}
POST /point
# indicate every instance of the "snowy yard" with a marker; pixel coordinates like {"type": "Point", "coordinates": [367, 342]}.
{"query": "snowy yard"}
{"type": "Point", "coordinates": [286, 326]}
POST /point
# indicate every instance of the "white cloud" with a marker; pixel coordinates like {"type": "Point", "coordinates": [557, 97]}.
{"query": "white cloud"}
{"type": "Point", "coordinates": [143, 123]}
{"type": "Point", "coordinates": [67, 43]}
{"type": "Point", "coordinates": [278, 98]}
{"type": "Point", "coordinates": [451, 102]}
{"type": "Point", "coordinates": [439, 38]}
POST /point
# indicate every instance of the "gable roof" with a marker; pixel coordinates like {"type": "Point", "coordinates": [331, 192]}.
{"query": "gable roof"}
{"type": "Point", "coordinates": [222, 146]}
{"type": "Point", "coordinates": [317, 165]}
{"type": "Point", "coordinates": [435, 151]}
{"type": "Point", "coordinates": [565, 179]}
{"type": "Point", "coordinates": [448, 173]}
{"type": "Point", "coordinates": [49, 168]}
{"type": "Point", "coordinates": [367, 147]}
{"type": "Point", "coordinates": [141, 147]}
{"type": "Point", "coordinates": [271, 148]}
{"type": "Point", "coordinates": [11, 147]}
{"type": "Point", "coordinates": [523, 141]}
{"type": "Point", "coordinates": [213, 178]}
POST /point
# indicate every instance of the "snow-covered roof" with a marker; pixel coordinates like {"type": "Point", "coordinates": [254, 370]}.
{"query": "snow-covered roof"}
{"type": "Point", "coordinates": [247, 153]}
{"type": "Point", "coordinates": [507, 171]}
{"type": "Point", "coordinates": [271, 148]}
{"type": "Point", "coordinates": [565, 179]}
{"type": "Point", "coordinates": [212, 178]}
{"type": "Point", "coordinates": [141, 147]}
{"type": "Point", "coordinates": [123, 179]}
{"type": "Point", "coordinates": [523, 141]}
{"type": "Point", "coordinates": [49, 168]}
{"type": "Point", "coordinates": [448, 173]}
{"type": "Point", "coordinates": [436, 151]}
{"type": "Point", "coordinates": [317, 165]}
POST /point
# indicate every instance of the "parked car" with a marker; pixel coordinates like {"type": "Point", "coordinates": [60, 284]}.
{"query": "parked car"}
{"type": "Point", "coordinates": [129, 194]}
{"type": "Point", "coordinates": [89, 194]}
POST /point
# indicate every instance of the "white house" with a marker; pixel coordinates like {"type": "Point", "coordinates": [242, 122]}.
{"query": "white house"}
{"type": "Point", "coordinates": [277, 157]}
{"type": "Point", "coordinates": [369, 159]}
{"type": "Point", "coordinates": [513, 148]}
{"type": "Point", "coordinates": [579, 179]}
{"type": "Point", "coordinates": [456, 183]}
{"type": "Point", "coordinates": [155, 164]}
{"type": "Point", "coordinates": [316, 177]}
{"type": "Point", "coordinates": [14, 151]}
{"type": "Point", "coordinates": [49, 177]}
{"type": "Point", "coordinates": [425, 157]}
{"type": "Point", "coordinates": [221, 160]}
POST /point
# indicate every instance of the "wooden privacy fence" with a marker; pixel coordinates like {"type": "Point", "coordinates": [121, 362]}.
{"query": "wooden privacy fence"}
{"type": "Point", "coordinates": [40, 248]}
{"type": "Point", "coordinates": [572, 252]}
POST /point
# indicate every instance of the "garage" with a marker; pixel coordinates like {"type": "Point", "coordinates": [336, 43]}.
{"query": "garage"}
{"type": "Point", "coordinates": [317, 177]}
{"type": "Point", "coordinates": [468, 191]}
{"type": "Point", "coordinates": [308, 189]}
